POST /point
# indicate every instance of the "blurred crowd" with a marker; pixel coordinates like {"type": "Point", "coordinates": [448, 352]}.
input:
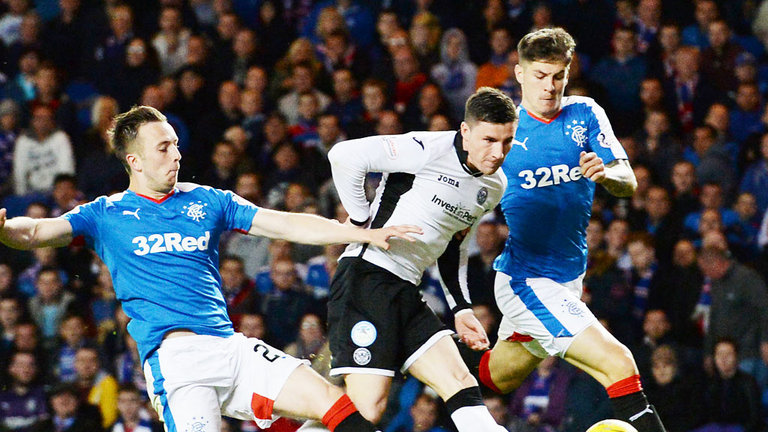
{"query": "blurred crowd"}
{"type": "Point", "coordinates": [258, 91]}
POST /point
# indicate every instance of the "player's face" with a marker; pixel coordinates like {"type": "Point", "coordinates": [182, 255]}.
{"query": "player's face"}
{"type": "Point", "coordinates": [543, 84]}
{"type": "Point", "coordinates": [156, 157]}
{"type": "Point", "coordinates": [487, 144]}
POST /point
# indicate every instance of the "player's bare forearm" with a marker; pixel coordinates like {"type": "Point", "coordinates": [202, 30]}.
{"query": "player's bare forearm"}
{"type": "Point", "coordinates": [27, 233]}
{"type": "Point", "coordinates": [619, 179]}
{"type": "Point", "coordinates": [316, 230]}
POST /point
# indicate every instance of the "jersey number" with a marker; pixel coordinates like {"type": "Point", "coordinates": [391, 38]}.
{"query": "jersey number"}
{"type": "Point", "coordinates": [265, 354]}
{"type": "Point", "coordinates": [548, 176]}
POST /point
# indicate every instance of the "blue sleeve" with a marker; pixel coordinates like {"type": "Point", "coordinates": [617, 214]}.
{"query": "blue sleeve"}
{"type": "Point", "coordinates": [84, 219]}
{"type": "Point", "coordinates": [601, 138]}
{"type": "Point", "coordinates": [237, 212]}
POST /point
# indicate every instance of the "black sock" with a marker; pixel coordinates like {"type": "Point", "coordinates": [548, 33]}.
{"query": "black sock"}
{"type": "Point", "coordinates": [355, 423]}
{"type": "Point", "coordinates": [635, 409]}
{"type": "Point", "coordinates": [469, 396]}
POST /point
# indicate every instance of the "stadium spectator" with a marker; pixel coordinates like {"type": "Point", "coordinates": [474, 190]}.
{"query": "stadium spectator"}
{"type": "Point", "coordinates": [9, 129]}
{"type": "Point", "coordinates": [286, 303]}
{"type": "Point", "coordinates": [455, 73]}
{"type": "Point", "coordinates": [22, 402]}
{"type": "Point", "coordinates": [495, 72]}
{"type": "Point", "coordinates": [672, 386]}
{"type": "Point", "coordinates": [539, 403]}
{"type": "Point", "coordinates": [303, 81]}
{"type": "Point", "coordinates": [68, 413]}
{"type": "Point", "coordinates": [755, 180]}
{"type": "Point", "coordinates": [739, 301]}
{"type": "Point", "coordinates": [136, 70]}
{"type": "Point", "coordinates": [10, 21]}
{"type": "Point", "coordinates": [104, 174]}
{"type": "Point", "coordinates": [72, 337]}
{"type": "Point", "coordinates": [171, 42]}
{"type": "Point", "coordinates": [98, 386]}
{"type": "Point", "coordinates": [620, 77]}
{"type": "Point", "coordinates": [719, 58]}
{"type": "Point", "coordinates": [706, 12]}
{"type": "Point", "coordinates": [731, 396]}
{"type": "Point", "coordinates": [238, 289]}
{"type": "Point", "coordinates": [41, 154]}
{"type": "Point", "coordinates": [133, 416]}
{"type": "Point", "coordinates": [50, 304]}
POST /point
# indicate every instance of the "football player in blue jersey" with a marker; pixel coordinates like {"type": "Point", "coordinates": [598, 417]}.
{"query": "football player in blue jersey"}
{"type": "Point", "coordinates": [159, 239]}
{"type": "Point", "coordinates": [563, 147]}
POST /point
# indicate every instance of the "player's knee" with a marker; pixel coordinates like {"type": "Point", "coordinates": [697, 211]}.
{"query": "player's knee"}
{"type": "Point", "coordinates": [373, 409]}
{"type": "Point", "coordinates": [464, 378]}
{"type": "Point", "coordinates": [508, 383]}
{"type": "Point", "coordinates": [621, 364]}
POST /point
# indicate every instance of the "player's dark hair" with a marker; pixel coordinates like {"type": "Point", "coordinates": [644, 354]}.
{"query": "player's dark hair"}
{"type": "Point", "coordinates": [491, 106]}
{"type": "Point", "coordinates": [549, 45]}
{"type": "Point", "coordinates": [126, 129]}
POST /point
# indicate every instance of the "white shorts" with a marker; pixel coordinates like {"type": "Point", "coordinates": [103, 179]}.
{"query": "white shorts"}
{"type": "Point", "coordinates": [540, 313]}
{"type": "Point", "coordinates": [193, 380]}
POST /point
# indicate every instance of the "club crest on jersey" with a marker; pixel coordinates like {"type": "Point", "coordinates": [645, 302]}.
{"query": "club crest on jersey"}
{"type": "Point", "coordinates": [196, 211]}
{"type": "Point", "coordinates": [482, 195]}
{"type": "Point", "coordinates": [577, 132]}
{"type": "Point", "coordinates": [361, 356]}
{"type": "Point", "coordinates": [363, 333]}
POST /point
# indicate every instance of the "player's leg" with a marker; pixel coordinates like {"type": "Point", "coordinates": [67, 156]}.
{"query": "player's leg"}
{"type": "Point", "coordinates": [266, 381]}
{"type": "Point", "coordinates": [600, 354]}
{"type": "Point", "coordinates": [180, 403]}
{"type": "Point", "coordinates": [440, 367]}
{"type": "Point", "coordinates": [307, 395]}
{"type": "Point", "coordinates": [505, 367]}
{"type": "Point", "coordinates": [369, 392]}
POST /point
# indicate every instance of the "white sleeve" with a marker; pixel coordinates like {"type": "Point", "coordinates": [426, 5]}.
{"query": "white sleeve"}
{"type": "Point", "coordinates": [352, 160]}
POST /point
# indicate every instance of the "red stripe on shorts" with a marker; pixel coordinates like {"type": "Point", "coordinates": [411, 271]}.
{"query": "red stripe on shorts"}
{"type": "Point", "coordinates": [261, 406]}
{"type": "Point", "coordinates": [517, 337]}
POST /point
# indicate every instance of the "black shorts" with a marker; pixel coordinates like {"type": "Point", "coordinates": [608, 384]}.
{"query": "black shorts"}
{"type": "Point", "coordinates": [376, 321]}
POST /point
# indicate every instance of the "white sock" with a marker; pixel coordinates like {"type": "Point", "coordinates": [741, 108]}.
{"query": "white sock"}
{"type": "Point", "coordinates": [475, 419]}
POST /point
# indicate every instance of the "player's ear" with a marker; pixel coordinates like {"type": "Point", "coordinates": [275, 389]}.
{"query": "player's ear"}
{"type": "Point", "coordinates": [465, 130]}
{"type": "Point", "coordinates": [134, 161]}
{"type": "Point", "coordinates": [519, 73]}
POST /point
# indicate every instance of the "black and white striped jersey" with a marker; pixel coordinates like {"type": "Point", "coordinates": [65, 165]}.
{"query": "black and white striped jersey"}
{"type": "Point", "coordinates": [426, 182]}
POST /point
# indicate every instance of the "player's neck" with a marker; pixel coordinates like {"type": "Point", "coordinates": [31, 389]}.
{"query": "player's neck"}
{"type": "Point", "coordinates": [141, 189]}
{"type": "Point", "coordinates": [544, 117]}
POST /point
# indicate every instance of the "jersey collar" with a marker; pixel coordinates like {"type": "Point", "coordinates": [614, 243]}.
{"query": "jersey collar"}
{"type": "Point", "coordinates": [458, 144]}
{"type": "Point", "coordinates": [158, 201]}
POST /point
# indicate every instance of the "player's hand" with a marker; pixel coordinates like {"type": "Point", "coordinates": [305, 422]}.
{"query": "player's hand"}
{"type": "Point", "coordinates": [2, 218]}
{"type": "Point", "coordinates": [592, 166]}
{"type": "Point", "coordinates": [380, 237]}
{"type": "Point", "coordinates": [471, 331]}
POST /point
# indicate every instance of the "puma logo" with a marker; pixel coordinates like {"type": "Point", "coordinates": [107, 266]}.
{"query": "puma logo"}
{"type": "Point", "coordinates": [132, 213]}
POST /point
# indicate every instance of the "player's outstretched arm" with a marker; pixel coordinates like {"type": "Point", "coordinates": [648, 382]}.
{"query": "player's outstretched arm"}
{"type": "Point", "coordinates": [28, 233]}
{"type": "Point", "coordinates": [617, 177]}
{"type": "Point", "coordinates": [312, 229]}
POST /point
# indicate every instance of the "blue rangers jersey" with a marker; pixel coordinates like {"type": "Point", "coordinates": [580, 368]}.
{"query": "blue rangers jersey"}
{"type": "Point", "coordinates": [547, 203]}
{"type": "Point", "coordinates": [163, 256]}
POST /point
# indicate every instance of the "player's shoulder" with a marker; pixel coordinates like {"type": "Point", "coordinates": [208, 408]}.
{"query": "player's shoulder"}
{"type": "Point", "coordinates": [188, 187]}
{"type": "Point", "coordinates": [433, 140]}
{"type": "Point", "coordinates": [581, 105]}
